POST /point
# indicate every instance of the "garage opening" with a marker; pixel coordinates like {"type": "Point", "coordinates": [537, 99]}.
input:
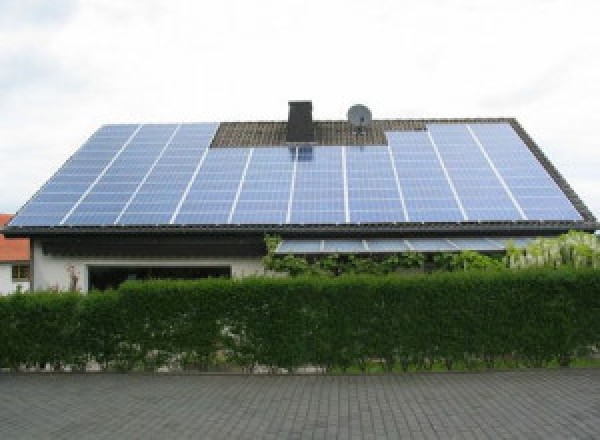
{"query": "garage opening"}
{"type": "Point", "coordinates": [108, 277]}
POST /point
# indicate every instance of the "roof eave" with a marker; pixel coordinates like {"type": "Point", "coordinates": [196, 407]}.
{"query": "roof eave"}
{"type": "Point", "coordinates": [546, 227]}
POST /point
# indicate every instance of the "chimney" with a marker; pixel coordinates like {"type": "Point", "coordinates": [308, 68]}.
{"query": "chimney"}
{"type": "Point", "coordinates": [300, 128]}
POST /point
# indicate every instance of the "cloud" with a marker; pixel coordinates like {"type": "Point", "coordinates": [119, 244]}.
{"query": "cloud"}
{"type": "Point", "coordinates": [15, 14]}
{"type": "Point", "coordinates": [531, 90]}
{"type": "Point", "coordinates": [29, 68]}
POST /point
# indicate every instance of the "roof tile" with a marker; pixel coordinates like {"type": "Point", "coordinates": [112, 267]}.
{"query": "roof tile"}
{"type": "Point", "coordinates": [12, 249]}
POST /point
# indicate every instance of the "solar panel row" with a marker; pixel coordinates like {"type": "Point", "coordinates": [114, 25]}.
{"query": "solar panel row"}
{"type": "Point", "coordinates": [167, 174]}
{"type": "Point", "coordinates": [398, 245]}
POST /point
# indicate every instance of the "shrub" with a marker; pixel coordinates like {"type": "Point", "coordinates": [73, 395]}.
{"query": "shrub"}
{"type": "Point", "coordinates": [468, 318]}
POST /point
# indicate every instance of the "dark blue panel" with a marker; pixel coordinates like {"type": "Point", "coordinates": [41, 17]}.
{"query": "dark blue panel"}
{"type": "Point", "coordinates": [389, 194]}
{"type": "Point", "coordinates": [380, 216]}
{"type": "Point", "coordinates": [124, 176]}
{"type": "Point", "coordinates": [215, 196]}
{"type": "Point", "coordinates": [427, 194]}
{"type": "Point", "coordinates": [316, 204]}
{"type": "Point", "coordinates": [128, 187]}
{"type": "Point", "coordinates": [266, 187]}
{"type": "Point", "coordinates": [523, 174]}
{"type": "Point", "coordinates": [36, 208]}
{"type": "Point", "coordinates": [317, 217]}
{"type": "Point", "coordinates": [319, 186]}
{"type": "Point", "coordinates": [376, 205]}
{"type": "Point", "coordinates": [206, 206]}
{"type": "Point", "coordinates": [107, 197]}
{"type": "Point", "coordinates": [152, 207]}
{"type": "Point", "coordinates": [201, 218]}
{"type": "Point", "coordinates": [89, 219]}
{"type": "Point", "coordinates": [256, 206]}
{"type": "Point", "coordinates": [492, 213]}
{"type": "Point", "coordinates": [161, 197]}
{"type": "Point", "coordinates": [65, 187]}
{"type": "Point", "coordinates": [429, 215]}
{"type": "Point", "coordinates": [433, 204]}
{"type": "Point", "coordinates": [36, 220]}
{"type": "Point", "coordinates": [145, 218]}
{"type": "Point", "coordinates": [159, 188]}
{"type": "Point", "coordinates": [259, 217]}
{"type": "Point", "coordinates": [469, 171]}
{"type": "Point", "coordinates": [47, 197]}
{"type": "Point", "coordinates": [268, 196]}
{"type": "Point", "coordinates": [68, 179]}
{"type": "Point", "coordinates": [90, 208]}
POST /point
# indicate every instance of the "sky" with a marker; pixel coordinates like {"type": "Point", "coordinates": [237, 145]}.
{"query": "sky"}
{"type": "Point", "coordinates": [69, 66]}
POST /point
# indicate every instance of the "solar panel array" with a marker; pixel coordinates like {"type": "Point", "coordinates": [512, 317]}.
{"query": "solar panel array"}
{"type": "Point", "coordinates": [385, 245]}
{"type": "Point", "coordinates": [161, 174]}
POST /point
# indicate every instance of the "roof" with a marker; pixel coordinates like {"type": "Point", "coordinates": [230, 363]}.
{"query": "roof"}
{"type": "Point", "coordinates": [13, 249]}
{"type": "Point", "coordinates": [482, 175]}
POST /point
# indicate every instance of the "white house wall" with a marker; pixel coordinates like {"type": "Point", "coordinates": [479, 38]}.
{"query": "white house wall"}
{"type": "Point", "coordinates": [7, 285]}
{"type": "Point", "coordinates": [50, 271]}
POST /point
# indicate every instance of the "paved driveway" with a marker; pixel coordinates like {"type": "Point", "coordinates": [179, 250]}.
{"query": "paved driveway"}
{"type": "Point", "coordinates": [529, 404]}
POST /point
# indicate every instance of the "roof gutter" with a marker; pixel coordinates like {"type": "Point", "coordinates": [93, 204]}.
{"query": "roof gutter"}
{"type": "Point", "coordinates": [372, 229]}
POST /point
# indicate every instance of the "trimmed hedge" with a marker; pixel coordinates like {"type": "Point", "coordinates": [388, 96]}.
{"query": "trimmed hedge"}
{"type": "Point", "coordinates": [532, 316]}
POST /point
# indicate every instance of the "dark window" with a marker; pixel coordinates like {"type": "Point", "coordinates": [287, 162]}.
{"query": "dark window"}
{"type": "Point", "coordinates": [20, 272]}
{"type": "Point", "coordinates": [107, 277]}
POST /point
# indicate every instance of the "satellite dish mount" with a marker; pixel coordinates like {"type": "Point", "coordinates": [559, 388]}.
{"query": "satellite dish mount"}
{"type": "Point", "coordinates": [359, 116]}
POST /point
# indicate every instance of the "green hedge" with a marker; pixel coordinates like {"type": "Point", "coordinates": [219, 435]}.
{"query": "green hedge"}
{"type": "Point", "coordinates": [532, 317]}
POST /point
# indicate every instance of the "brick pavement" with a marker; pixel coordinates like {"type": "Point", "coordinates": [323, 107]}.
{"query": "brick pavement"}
{"type": "Point", "coordinates": [544, 404]}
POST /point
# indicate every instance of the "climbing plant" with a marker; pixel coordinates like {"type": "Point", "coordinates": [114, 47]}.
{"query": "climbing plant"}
{"type": "Point", "coordinates": [574, 249]}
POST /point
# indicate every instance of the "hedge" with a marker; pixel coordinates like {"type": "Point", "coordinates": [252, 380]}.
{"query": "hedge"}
{"type": "Point", "coordinates": [531, 316]}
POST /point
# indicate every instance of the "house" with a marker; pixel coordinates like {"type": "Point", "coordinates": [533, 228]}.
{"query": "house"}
{"type": "Point", "coordinates": [14, 261]}
{"type": "Point", "coordinates": [196, 199]}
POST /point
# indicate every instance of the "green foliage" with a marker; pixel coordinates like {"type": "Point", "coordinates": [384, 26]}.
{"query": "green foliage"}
{"type": "Point", "coordinates": [334, 264]}
{"type": "Point", "coordinates": [574, 249]}
{"type": "Point", "coordinates": [456, 319]}
{"type": "Point", "coordinates": [471, 260]}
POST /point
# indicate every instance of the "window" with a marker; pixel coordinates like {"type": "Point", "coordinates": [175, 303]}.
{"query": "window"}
{"type": "Point", "coordinates": [20, 272]}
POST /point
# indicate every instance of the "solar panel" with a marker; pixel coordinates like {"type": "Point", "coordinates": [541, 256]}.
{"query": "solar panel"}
{"type": "Point", "coordinates": [168, 174]}
{"type": "Point", "coordinates": [479, 189]}
{"type": "Point", "coordinates": [373, 192]}
{"type": "Point", "coordinates": [478, 244]}
{"type": "Point", "coordinates": [396, 245]}
{"type": "Point", "coordinates": [344, 246]}
{"type": "Point", "coordinates": [387, 245]}
{"type": "Point", "coordinates": [265, 192]}
{"type": "Point", "coordinates": [427, 193]}
{"type": "Point", "coordinates": [213, 192]}
{"type": "Point", "coordinates": [318, 196]}
{"type": "Point", "coordinates": [299, 247]}
{"type": "Point", "coordinates": [54, 200]}
{"type": "Point", "coordinates": [157, 197]}
{"type": "Point", "coordinates": [539, 196]}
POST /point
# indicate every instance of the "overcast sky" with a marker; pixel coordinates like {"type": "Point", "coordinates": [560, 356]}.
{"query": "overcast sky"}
{"type": "Point", "coordinates": [69, 66]}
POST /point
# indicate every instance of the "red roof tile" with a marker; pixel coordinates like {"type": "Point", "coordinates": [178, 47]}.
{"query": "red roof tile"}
{"type": "Point", "coordinates": [12, 249]}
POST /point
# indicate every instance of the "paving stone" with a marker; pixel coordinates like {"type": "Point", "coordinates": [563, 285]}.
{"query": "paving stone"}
{"type": "Point", "coordinates": [560, 404]}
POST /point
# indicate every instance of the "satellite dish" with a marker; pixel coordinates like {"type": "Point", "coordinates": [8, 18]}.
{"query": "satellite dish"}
{"type": "Point", "coordinates": [359, 116]}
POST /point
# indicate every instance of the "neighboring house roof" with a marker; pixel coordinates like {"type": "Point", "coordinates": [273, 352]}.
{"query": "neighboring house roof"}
{"type": "Point", "coordinates": [12, 249]}
{"type": "Point", "coordinates": [399, 176]}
